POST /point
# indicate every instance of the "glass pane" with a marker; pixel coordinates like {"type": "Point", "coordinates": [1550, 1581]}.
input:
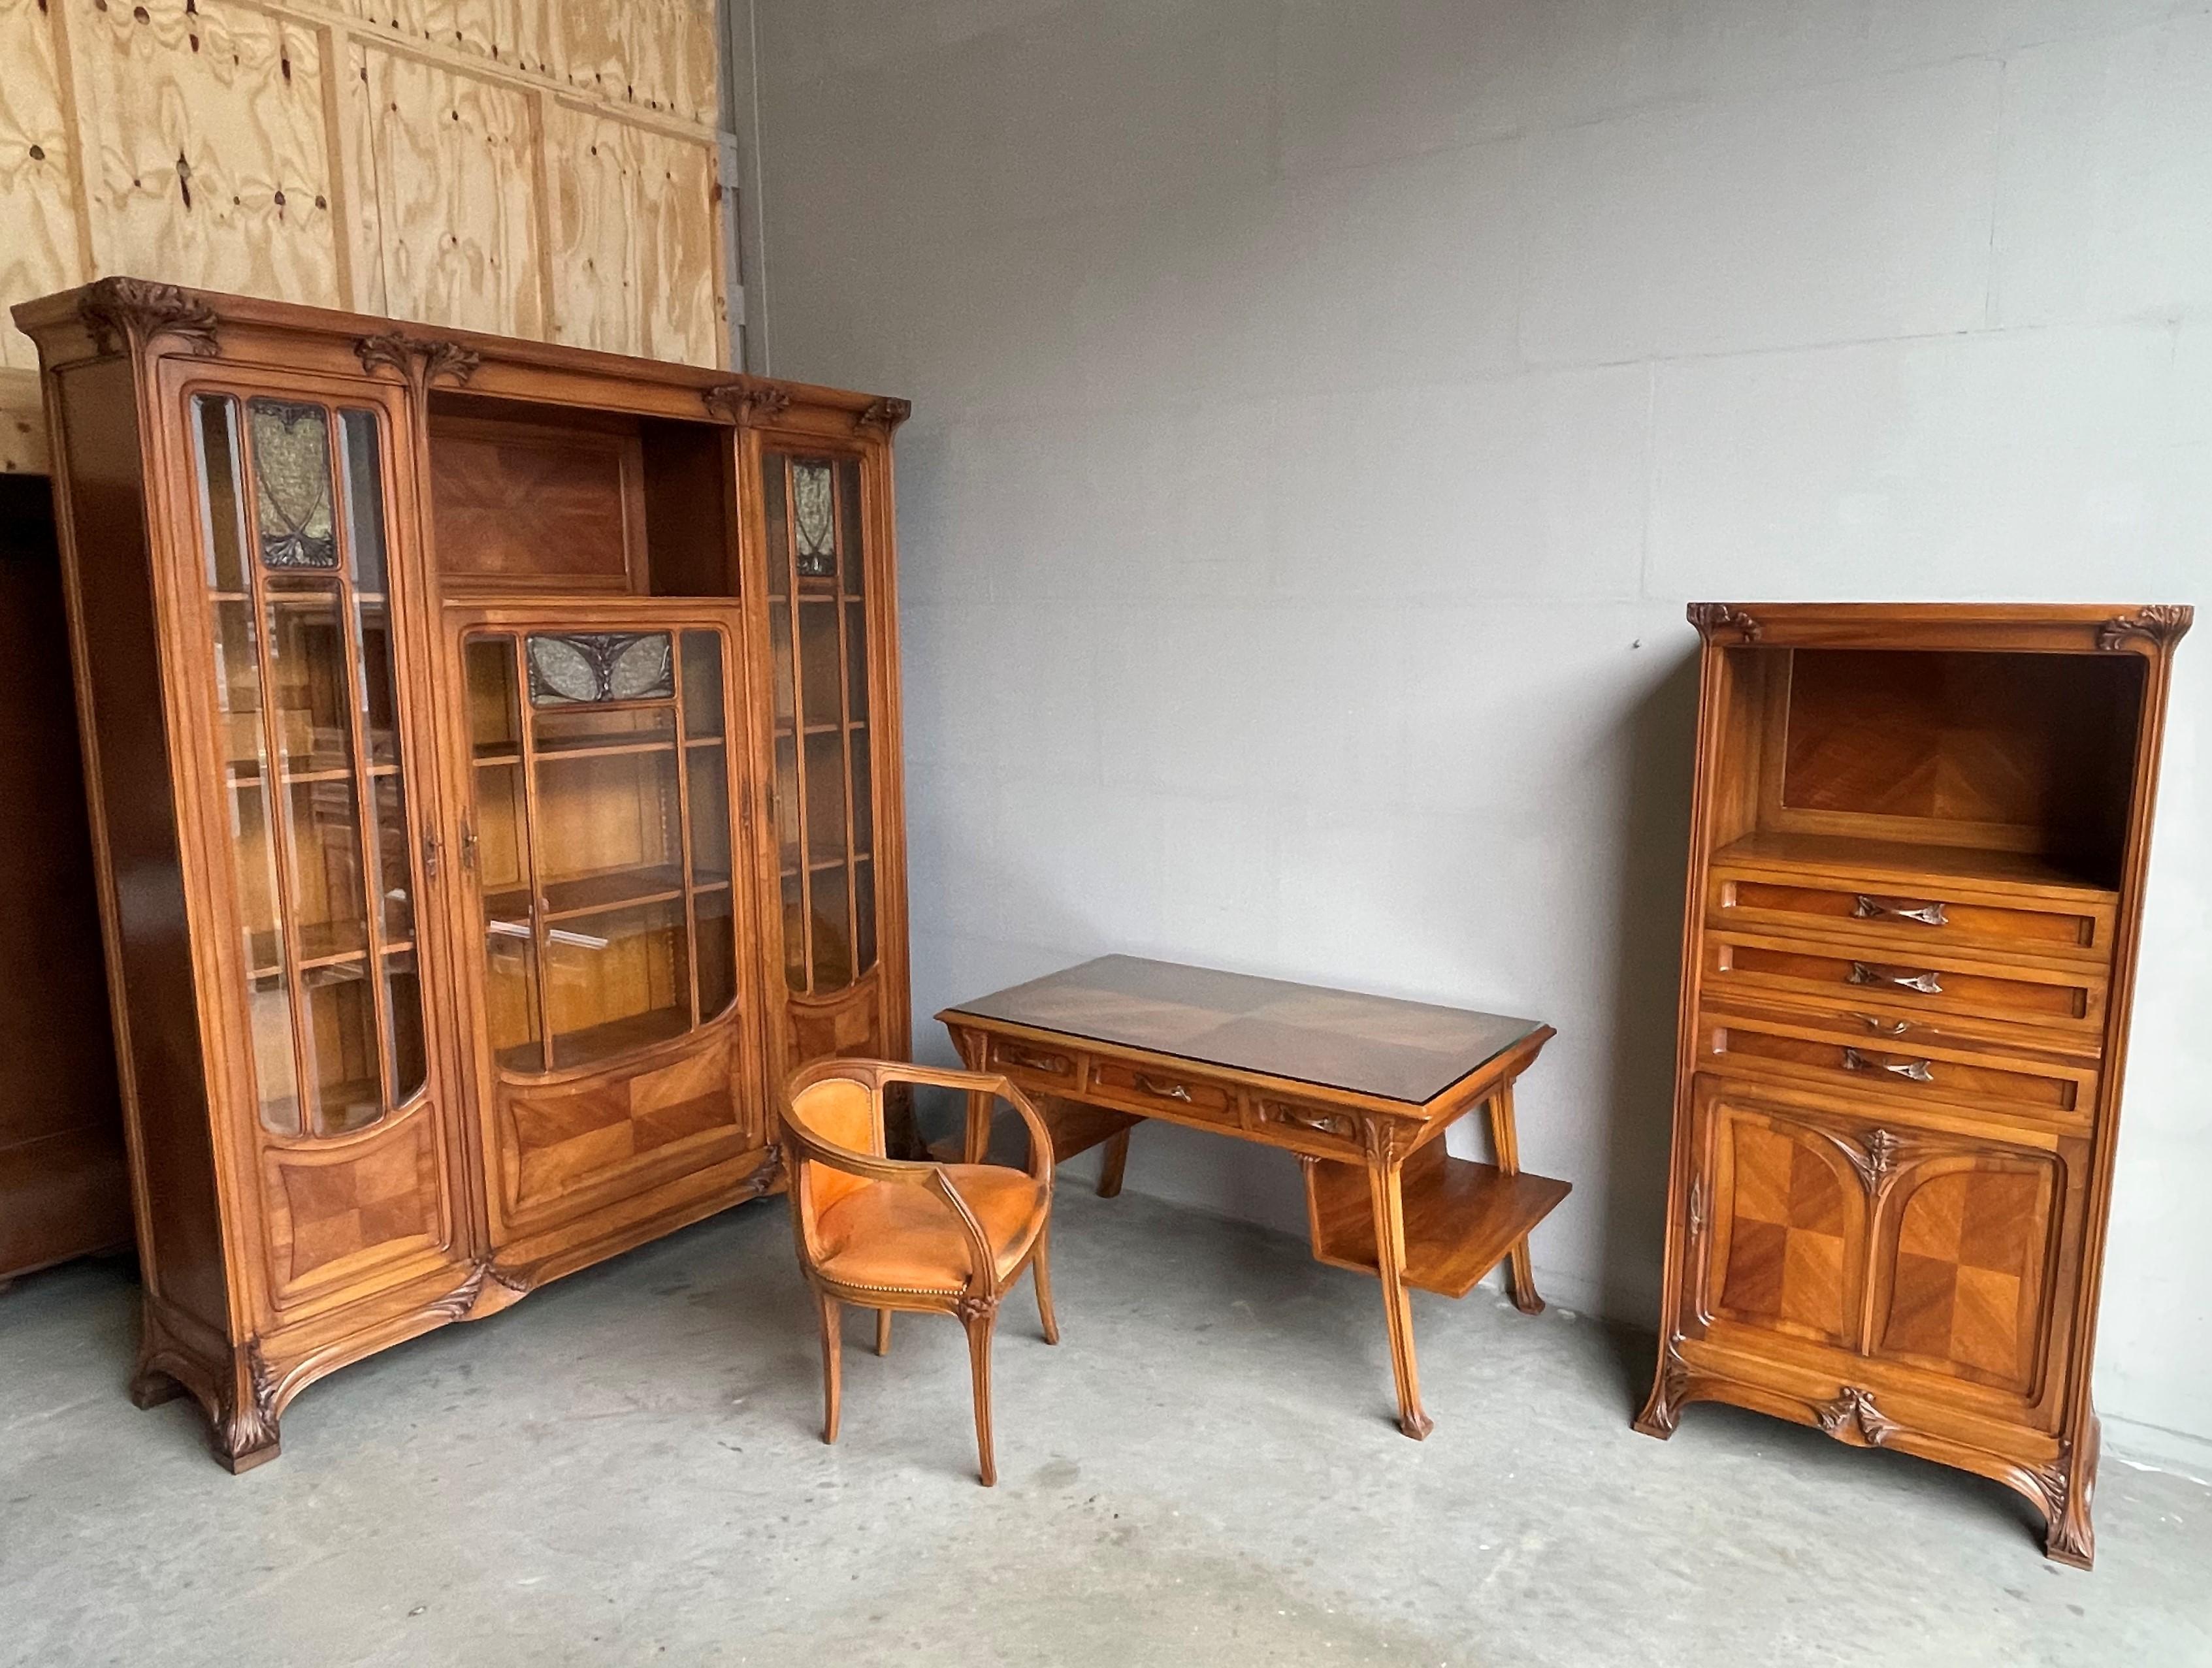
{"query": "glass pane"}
{"type": "Point", "coordinates": [224, 514]}
{"type": "Point", "coordinates": [710, 814]}
{"type": "Point", "coordinates": [825, 799]}
{"type": "Point", "coordinates": [864, 925]}
{"type": "Point", "coordinates": [848, 523]}
{"type": "Point", "coordinates": [502, 854]}
{"type": "Point", "coordinates": [306, 649]}
{"type": "Point", "coordinates": [820, 667]}
{"type": "Point", "coordinates": [292, 484]}
{"type": "Point", "coordinates": [379, 712]}
{"type": "Point", "coordinates": [269, 1009]}
{"type": "Point", "coordinates": [864, 809]}
{"type": "Point", "coordinates": [717, 951]}
{"type": "Point", "coordinates": [813, 521]}
{"type": "Point", "coordinates": [773, 466]}
{"type": "Point", "coordinates": [702, 683]}
{"type": "Point", "coordinates": [856, 660]}
{"type": "Point", "coordinates": [833, 942]}
{"type": "Point", "coordinates": [607, 830]}
{"type": "Point", "coordinates": [616, 981]}
{"type": "Point", "coordinates": [257, 877]}
{"type": "Point", "coordinates": [403, 1001]}
{"type": "Point", "coordinates": [511, 995]}
{"type": "Point", "coordinates": [364, 495]}
{"type": "Point", "coordinates": [238, 689]}
{"type": "Point", "coordinates": [786, 805]}
{"type": "Point", "coordinates": [794, 935]}
{"type": "Point", "coordinates": [602, 729]}
{"type": "Point", "coordinates": [395, 863]}
{"type": "Point", "coordinates": [600, 666]}
{"type": "Point", "coordinates": [327, 899]}
{"type": "Point", "coordinates": [779, 643]}
{"type": "Point", "coordinates": [339, 1036]}
{"type": "Point", "coordinates": [495, 725]}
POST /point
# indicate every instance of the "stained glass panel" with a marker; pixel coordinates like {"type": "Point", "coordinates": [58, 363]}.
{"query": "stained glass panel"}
{"type": "Point", "coordinates": [292, 484]}
{"type": "Point", "coordinates": [603, 665]}
{"type": "Point", "coordinates": [814, 519]}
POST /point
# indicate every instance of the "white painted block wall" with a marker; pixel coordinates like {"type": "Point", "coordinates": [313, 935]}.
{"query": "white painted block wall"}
{"type": "Point", "coordinates": [1324, 409]}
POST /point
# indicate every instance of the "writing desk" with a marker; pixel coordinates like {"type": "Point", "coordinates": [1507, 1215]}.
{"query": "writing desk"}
{"type": "Point", "coordinates": [1360, 1088]}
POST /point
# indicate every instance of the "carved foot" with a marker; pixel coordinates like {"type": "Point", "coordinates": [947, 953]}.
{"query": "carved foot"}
{"type": "Point", "coordinates": [2067, 1488]}
{"type": "Point", "coordinates": [245, 1419]}
{"type": "Point", "coordinates": [2069, 1543]}
{"type": "Point", "coordinates": [243, 1451]}
{"type": "Point", "coordinates": [1663, 1412]}
{"type": "Point", "coordinates": [1416, 1423]}
{"type": "Point", "coordinates": [1660, 1418]}
{"type": "Point", "coordinates": [150, 1387]}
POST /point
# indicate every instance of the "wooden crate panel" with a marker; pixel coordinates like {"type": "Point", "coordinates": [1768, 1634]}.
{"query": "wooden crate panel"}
{"type": "Point", "coordinates": [450, 210]}
{"type": "Point", "coordinates": [207, 155]}
{"type": "Point", "coordinates": [39, 253]}
{"type": "Point", "coordinates": [635, 247]}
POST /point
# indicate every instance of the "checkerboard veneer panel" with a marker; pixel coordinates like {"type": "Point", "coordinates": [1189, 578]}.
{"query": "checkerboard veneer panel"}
{"type": "Point", "coordinates": [1971, 1248]}
{"type": "Point", "coordinates": [1793, 1226]}
{"type": "Point", "coordinates": [382, 1194]}
{"type": "Point", "coordinates": [562, 1138]}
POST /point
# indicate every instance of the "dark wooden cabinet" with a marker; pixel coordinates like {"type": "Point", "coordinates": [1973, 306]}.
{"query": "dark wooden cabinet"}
{"type": "Point", "coordinates": [1916, 885]}
{"type": "Point", "coordinates": [494, 766]}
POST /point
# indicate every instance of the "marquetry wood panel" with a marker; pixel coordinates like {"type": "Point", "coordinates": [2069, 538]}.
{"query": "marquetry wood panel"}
{"type": "Point", "coordinates": [381, 1195]}
{"type": "Point", "coordinates": [542, 168]}
{"type": "Point", "coordinates": [1789, 1229]}
{"type": "Point", "coordinates": [1963, 1267]}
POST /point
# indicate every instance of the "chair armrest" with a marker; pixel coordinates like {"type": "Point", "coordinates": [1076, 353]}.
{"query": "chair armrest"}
{"type": "Point", "coordinates": [925, 1174]}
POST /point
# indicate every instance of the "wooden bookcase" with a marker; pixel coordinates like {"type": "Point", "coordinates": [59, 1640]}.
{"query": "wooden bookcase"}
{"type": "Point", "coordinates": [493, 758]}
{"type": "Point", "coordinates": [1916, 885]}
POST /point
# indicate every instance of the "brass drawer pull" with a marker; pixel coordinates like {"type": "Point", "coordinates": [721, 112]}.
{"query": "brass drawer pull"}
{"type": "Point", "coordinates": [1010, 1055]}
{"type": "Point", "coordinates": [1869, 908]}
{"type": "Point", "coordinates": [1165, 1091]}
{"type": "Point", "coordinates": [1926, 983]}
{"type": "Point", "coordinates": [1918, 1071]}
{"type": "Point", "coordinates": [1895, 1028]}
{"type": "Point", "coordinates": [1322, 1123]}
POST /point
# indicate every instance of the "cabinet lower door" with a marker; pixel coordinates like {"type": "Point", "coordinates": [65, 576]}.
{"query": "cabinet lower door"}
{"type": "Point", "coordinates": [321, 771]}
{"type": "Point", "coordinates": [1856, 1240]}
{"type": "Point", "coordinates": [617, 1040]}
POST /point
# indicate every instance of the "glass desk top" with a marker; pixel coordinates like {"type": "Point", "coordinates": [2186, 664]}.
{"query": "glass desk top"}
{"type": "Point", "coordinates": [1363, 1045]}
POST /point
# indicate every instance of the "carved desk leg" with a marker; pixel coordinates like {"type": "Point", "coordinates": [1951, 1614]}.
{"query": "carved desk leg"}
{"type": "Point", "coordinates": [979, 1127]}
{"type": "Point", "coordinates": [1385, 1166]}
{"type": "Point", "coordinates": [1506, 1141]}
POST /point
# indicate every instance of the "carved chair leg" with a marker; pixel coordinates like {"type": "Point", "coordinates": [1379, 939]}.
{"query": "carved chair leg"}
{"type": "Point", "coordinates": [882, 1332]}
{"type": "Point", "coordinates": [832, 1365]}
{"type": "Point", "coordinates": [1041, 1271]}
{"type": "Point", "coordinates": [1116, 1161]}
{"type": "Point", "coordinates": [979, 1360]}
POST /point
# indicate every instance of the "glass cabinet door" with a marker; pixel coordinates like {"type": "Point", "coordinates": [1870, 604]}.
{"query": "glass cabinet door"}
{"type": "Point", "coordinates": [293, 529]}
{"type": "Point", "coordinates": [602, 839]}
{"type": "Point", "coordinates": [824, 799]}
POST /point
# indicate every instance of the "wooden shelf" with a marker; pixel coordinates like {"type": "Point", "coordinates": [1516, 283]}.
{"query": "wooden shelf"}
{"type": "Point", "coordinates": [548, 753]}
{"type": "Point", "coordinates": [601, 890]}
{"type": "Point", "coordinates": [599, 1042]}
{"type": "Point", "coordinates": [705, 741]}
{"type": "Point", "coordinates": [1908, 863]}
{"type": "Point", "coordinates": [1461, 1217]}
{"type": "Point", "coordinates": [783, 730]}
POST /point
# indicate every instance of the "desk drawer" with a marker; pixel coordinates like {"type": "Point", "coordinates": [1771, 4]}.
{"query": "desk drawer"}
{"type": "Point", "coordinates": [1029, 1063]}
{"type": "Point", "coordinates": [1303, 1128]}
{"type": "Point", "coordinates": [2064, 1002]}
{"type": "Point", "coordinates": [1908, 924]}
{"type": "Point", "coordinates": [1165, 1091]}
{"type": "Point", "coordinates": [1805, 1049]}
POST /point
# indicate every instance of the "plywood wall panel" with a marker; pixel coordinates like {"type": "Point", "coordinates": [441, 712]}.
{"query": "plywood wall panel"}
{"type": "Point", "coordinates": [450, 178]}
{"type": "Point", "coordinates": [39, 249]}
{"type": "Point", "coordinates": [519, 34]}
{"type": "Point", "coordinates": [634, 244]}
{"type": "Point", "coordinates": [658, 54]}
{"type": "Point", "coordinates": [207, 153]}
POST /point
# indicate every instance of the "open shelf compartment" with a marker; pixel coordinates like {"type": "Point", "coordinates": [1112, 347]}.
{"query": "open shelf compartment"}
{"type": "Point", "coordinates": [1462, 1217]}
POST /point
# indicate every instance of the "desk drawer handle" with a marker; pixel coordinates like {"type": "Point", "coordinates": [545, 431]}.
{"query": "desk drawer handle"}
{"type": "Point", "coordinates": [1010, 1055]}
{"type": "Point", "coordinates": [1870, 908]}
{"type": "Point", "coordinates": [1889, 1027]}
{"type": "Point", "coordinates": [1926, 983]}
{"type": "Point", "coordinates": [1918, 1071]}
{"type": "Point", "coordinates": [1324, 1123]}
{"type": "Point", "coordinates": [1165, 1091]}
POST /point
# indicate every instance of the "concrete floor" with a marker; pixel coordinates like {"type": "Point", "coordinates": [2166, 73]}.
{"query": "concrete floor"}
{"type": "Point", "coordinates": [627, 1468]}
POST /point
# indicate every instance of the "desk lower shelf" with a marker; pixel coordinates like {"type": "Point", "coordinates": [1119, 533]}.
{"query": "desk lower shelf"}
{"type": "Point", "coordinates": [1461, 1217]}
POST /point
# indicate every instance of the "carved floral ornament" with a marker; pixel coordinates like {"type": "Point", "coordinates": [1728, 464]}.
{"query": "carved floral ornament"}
{"type": "Point", "coordinates": [2159, 624]}
{"type": "Point", "coordinates": [746, 402]}
{"type": "Point", "coordinates": [133, 312]}
{"type": "Point", "coordinates": [419, 360]}
{"type": "Point", "coordinates": [1717, 621]}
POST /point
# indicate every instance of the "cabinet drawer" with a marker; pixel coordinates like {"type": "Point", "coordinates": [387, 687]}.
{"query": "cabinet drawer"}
{"type": "Point", "coordinates": [1812, 1053]}
{"type": "Point", "coordinates": [1165, 1091]}
{"type": "Point", "coordinates": [1909, 922]}
{"type": "Point", "coordinates": [1036, 1063]}
{"type": "Point", "coordinates": [2070, 1003]}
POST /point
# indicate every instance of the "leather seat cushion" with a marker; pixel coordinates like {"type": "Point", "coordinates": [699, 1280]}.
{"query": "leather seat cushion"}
{"type": "Point", "coordinates": [889, 1234]}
